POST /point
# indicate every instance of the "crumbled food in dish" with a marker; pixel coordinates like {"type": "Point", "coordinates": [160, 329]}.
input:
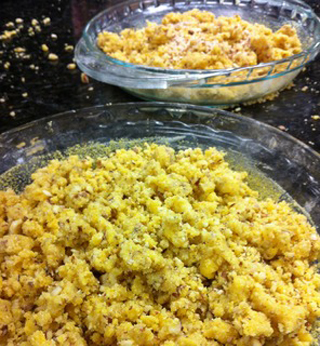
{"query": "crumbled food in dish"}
{"type": "Point", "coordinates": [153, 247]}
{"type": "Point", "coordinates": [198, 40]}
{"type": "Point", "coordinates": [21, 145]}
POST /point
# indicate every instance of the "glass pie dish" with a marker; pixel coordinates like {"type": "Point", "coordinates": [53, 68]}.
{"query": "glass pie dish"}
{"type": "Point", "coordinates": [221, 87]}
{"type": "Point", "coordinates": [279, 166]}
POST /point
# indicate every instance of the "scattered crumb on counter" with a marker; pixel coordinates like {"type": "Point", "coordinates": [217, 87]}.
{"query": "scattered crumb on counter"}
{"type": "Point", "coordinates": [7, 65]}
{"type": "Point", "coordinates": [282, 128]}
{"type": "Point", "coordinates": [34, 22]}
{"type": "Point", "coordinates": [31, 32]}
{"type": "Point", "coordinates": [305, 88]}
{"type": "Point", "coordinates": [19, 20]}
{"type": "Point", "coordinates": [46, 21]}
{"type": "Point", "coordinates": [54, 36]}
{"type": "Point", "coordinates": [315, 117]}
{"type": "Point", "coordinates": [12, 114]}
{"type": "Point", "coordinates": [69, 48]}
{"type": "Point", "coordinates": [7, 35]}
{"type": "Point", "coordinates": [44, 47]}
{"type": "Point", "coordinates": [53, 57]}
{"type": "Point", "coordinates": [84, 78]}
{"type": "Point", "coordinates": [71, 66]}
{"type": "Point", "coordinates": [19, 50]}
{"type": "Point", "coordinates": [25, 95]}
{"type": "Point", "coordinates": [10, 25]}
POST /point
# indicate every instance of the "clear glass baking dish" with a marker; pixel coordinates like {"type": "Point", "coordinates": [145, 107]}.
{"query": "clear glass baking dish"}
{"type": "Point", "coordinates": [207, 87]}
{"type": "Point", "coordinates": [279, 165]}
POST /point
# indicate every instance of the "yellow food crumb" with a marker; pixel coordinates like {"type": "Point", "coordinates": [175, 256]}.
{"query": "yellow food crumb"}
{"type": "Point", "coordinates": [31, 32]}
{"type": "Point", "coordinates": [68, 48]}
{"type": "Point", "coordinates": [46, 21]}
{"type": "Point", "coordinates": [315, 117]}
{"type": "Point", "coordinates": [53, 57]}
{"type": "Point", "coordinates": [84, 78]}
{"type": "Point", "coordinates": [71, 66]}
{"type": "Point", "coordinates": [7, 35]}
{"type": "Point", "coordinates": [34, 22]}
{"type": "Point", "coordinates": [19, 50]}
{"type": "Point", "coordinates": [10, 25]}
{"type": "Point", "coordinates": [199, 40]}
{"type": "Point", "coordinates": [151, 246]}
{"type": "Point", "coordinates": [21, 145]}
{"type": "Point", "coordinates": [44, 47]}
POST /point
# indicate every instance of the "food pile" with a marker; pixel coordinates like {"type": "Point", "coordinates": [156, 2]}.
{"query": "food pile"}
{"type": "Point", "coordinates": [150, 246]}
{"type": "Point", "coordinates": [198, 40]}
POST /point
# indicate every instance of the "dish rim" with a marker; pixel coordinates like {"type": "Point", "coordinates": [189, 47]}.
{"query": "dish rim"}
{"type": "Point", "coordinates": [179, 106]}
{"type": "Point", "coordinates": [209, 72]}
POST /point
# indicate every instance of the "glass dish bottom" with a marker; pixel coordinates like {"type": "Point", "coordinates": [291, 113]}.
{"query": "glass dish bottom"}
{"type": "Point", "coordinates": [224, 96]}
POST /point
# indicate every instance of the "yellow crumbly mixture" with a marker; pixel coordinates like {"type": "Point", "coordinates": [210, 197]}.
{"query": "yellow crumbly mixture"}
{"type": "Point", "coordinates": [153, 247]}
{"type": "Point", "coordinates": [198, 40]}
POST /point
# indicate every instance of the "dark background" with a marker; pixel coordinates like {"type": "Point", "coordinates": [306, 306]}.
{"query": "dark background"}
{"type": "Point", "coordinates": [52, 88]}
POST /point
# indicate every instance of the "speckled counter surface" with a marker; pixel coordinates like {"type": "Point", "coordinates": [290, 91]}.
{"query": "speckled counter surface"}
{"type": "Point", "coordinates": [33, 87]}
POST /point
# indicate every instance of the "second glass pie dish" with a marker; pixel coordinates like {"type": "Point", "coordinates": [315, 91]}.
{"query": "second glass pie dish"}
{"type": "Point", "coordinates": [221, 87]}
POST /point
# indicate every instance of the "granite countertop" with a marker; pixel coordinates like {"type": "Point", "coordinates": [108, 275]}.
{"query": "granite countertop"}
{"type": "Point", "coordinates": [33, 87]}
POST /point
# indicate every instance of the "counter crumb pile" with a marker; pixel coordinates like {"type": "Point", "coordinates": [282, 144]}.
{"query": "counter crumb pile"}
{"type": "Point", "coordinates": [153, 247]}
{"type": "Point", "coordinates": [198, 40]}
